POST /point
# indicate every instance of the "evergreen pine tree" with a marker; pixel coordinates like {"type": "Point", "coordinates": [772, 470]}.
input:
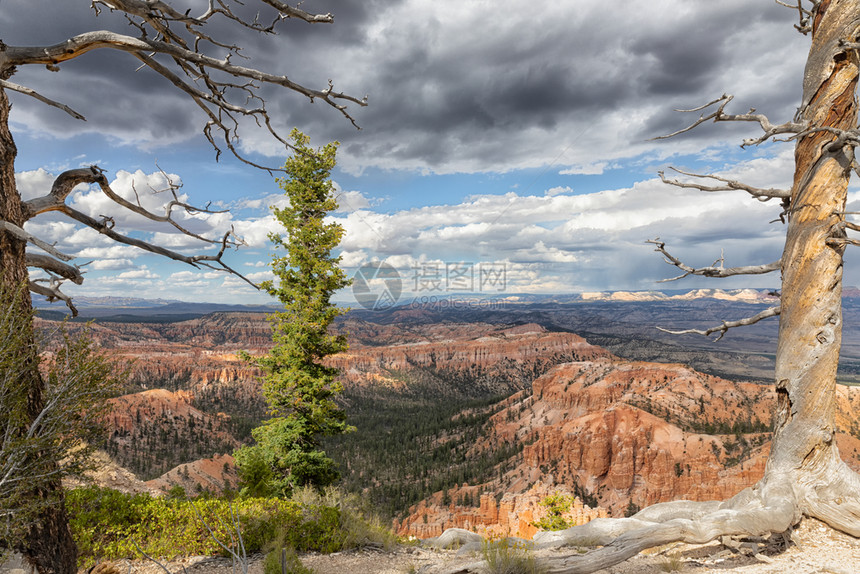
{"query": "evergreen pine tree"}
{"type": "Point", "coordinates": [299, 388]}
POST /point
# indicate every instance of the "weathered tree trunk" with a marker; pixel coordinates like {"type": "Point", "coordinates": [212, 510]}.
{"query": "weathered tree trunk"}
{"type": "Point", "coordinates": [48, 544]}
{"type": "Point", "coordinates": [810, 330]}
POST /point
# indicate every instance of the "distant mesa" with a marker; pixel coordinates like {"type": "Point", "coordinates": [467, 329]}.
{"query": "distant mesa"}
{"type": "Point", "coordinates": [735, 295]}
{"type": "Point", "coordinates": [132, 307]}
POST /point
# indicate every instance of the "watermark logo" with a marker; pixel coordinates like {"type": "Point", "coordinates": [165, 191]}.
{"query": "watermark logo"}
{"type": "Point", "coordinates": [459, 276]}
{"type": "Point", "coordinates": [376, 286]}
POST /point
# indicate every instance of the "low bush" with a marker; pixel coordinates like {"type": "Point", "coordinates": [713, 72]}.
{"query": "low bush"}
{"type": "Point", "coordinates": [107, 524]}
{"type": "Point", "coordinates": [557, 507]}
{"type": "Point", "coordinates": [508, 557]}
{"type": "Point", "coordinates": [358, 522]}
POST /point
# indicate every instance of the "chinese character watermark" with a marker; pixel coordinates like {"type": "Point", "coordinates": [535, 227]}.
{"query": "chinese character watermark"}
{"type": "Point", "coordinates": [378, 286]}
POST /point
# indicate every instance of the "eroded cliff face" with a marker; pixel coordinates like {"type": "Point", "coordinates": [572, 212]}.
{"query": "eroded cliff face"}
{"type": "Point", "coordinates": [642, 432]}
{"type": "Point", "coordinates": [472, 359]}
{"type": "Point", "coordinates": [215, 474]}
{"type": "Point", "coordinates": [495, 516]}
{"type": "Point", "coordinates": [615, 433]}
{"type": "Point", "coordinates": [157, 429]}
{"type": "Point", "coordinates": [196, 365]}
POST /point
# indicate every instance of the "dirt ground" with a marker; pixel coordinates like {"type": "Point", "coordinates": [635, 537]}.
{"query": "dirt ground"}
{"type": "Point", "coordinates": [816, 549]}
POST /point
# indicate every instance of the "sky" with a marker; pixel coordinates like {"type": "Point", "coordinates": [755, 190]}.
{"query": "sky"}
{"type": "Point", "coordinates": [505, 148]}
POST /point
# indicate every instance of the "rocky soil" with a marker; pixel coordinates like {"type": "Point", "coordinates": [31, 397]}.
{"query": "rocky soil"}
{"type": "Point", "coordinates": [815, 549]}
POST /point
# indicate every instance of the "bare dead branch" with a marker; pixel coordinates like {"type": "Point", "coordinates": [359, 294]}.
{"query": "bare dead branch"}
{"type": "Point", "coordinates": [52, 293]}
{"type": "Point", "coordinates": [34, 94]}
{"type": "Point", "coordinates": [60, 190]}
{"type": "Point", "coordinates": [717, 272]}
{"type": "Point", "coordinates": [187, 60]}
{"type": "Point", "coordinates": [179, 38]}
{"type": "Point", "coordinates": [168, 208]}
{"type": "Point", "coordinates": [55, 201]}
{"type": "Point", "coordinates": [68, 180]}
{"type": "Point", "coordinates": [729, 185]}
{"type": "Point", "coordinates": [64, 270]}
{"type": "Point", "coordinates": [721, 329]}
{"type": "Point", "coordinates": [150, 558]}
{"type": "Point", "coordinates": [842, 241]}
{"type": "Point", "coordinates": [804, 26]}
{"type": "Point", "coordinates": [211, 261]}
{"type": "Point", "coordinates": [770, 130]}
{"type": "Point", "coordinates": [237, 545]}
{"type": "Point", "coordinates": [291, 12]}
{"type": "Point", "coordinates": [218, 120]}
{"type": "Point", "coordinates": [24, 236]}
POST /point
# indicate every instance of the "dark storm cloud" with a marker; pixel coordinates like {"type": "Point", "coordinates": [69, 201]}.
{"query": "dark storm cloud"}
{"type": "Point", "coordinates": [547, 81]}
{"type": "Point", "coordinates": [120, 98]}
{"type": "Point", "coordinates": [453, 86]}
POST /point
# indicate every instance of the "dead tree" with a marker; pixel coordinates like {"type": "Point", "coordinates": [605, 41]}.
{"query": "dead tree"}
{"type": "Point", "coordinates": [179, 47]}
{"type": "Point", "coordinates": [804, 475]}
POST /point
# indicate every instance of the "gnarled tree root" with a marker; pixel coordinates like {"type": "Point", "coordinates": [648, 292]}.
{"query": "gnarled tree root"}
{"type": "Point", "coordinates": [774, 505]}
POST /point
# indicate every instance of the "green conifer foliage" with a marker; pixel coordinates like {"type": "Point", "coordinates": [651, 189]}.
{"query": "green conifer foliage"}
{"type": "Point", "coordinates": [298, 387]}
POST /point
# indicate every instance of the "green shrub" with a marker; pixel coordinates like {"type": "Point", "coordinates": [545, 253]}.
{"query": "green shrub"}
{"type": "Point", "coordinates": [557, 505]}
{"type": "Point", "coordinates": [106, 524]}
{"type": "Point", "coordinates": [504, 557]}
{"type": "Point", "coordinates": [359, 525]}
{"type": "Point", "coordinates": [319, 530]}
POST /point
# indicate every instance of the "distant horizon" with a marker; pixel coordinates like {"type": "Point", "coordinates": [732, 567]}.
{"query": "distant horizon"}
{"type": "Point", "coordinates": [111, 301]}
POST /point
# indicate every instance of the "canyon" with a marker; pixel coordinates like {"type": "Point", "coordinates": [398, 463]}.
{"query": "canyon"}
{"type": "Point", "coordinates": [511, 403]}
{"type": "Point", "coordinates": [621, 435]}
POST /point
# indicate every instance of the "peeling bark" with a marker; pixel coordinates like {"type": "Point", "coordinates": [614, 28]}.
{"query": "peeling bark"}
{"type": "Point", "coordinates": [810, 330]}
{"type": "Point", "coordinates": [48, 544]}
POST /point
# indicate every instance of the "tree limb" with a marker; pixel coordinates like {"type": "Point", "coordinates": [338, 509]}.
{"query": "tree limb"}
{"type": "Point", "coordinates": [718, 115]}
{"type": "Point", "coordinates": [180, 38]}
{"type": "Point", "coordinates": [721, 329]}
{"type": "Point", "coordinates": [60, 190]}
{"type": "Point", "coordinates": [24, 236]}
{"type": "Point", "coordinates": [105, 227]}
{"type": "Point", "coordinates": [55, 201]}
{"type": "Point", "coordinates": [805, 16]}
{"type": "Point", "coordinates": [196, 65]}
{"type": "Point", "coordinates": [52, 293]}
{"type": "Point", "coordinates": [34, 94]}
{"type": "Point", "coordinates": [730, 185]}
{"type": "Point", "coordinates": [64, 270]}
{"type": "Point", "coordinates": [718, 272]}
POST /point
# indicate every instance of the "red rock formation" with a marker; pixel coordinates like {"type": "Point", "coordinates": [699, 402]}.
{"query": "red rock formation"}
{"type": "Point", "coordinates": [586, 426]}
{"type": "Point", "coordinates": [618, 430]}
{"type": "Point", "coordinates": [158, 428]}
{"type": "Point", "coordinates": [213, 474]}
{"type": "Point", "coordinates": [501, 358]}
{"type": "Point", "coordinates": [508, 514]}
